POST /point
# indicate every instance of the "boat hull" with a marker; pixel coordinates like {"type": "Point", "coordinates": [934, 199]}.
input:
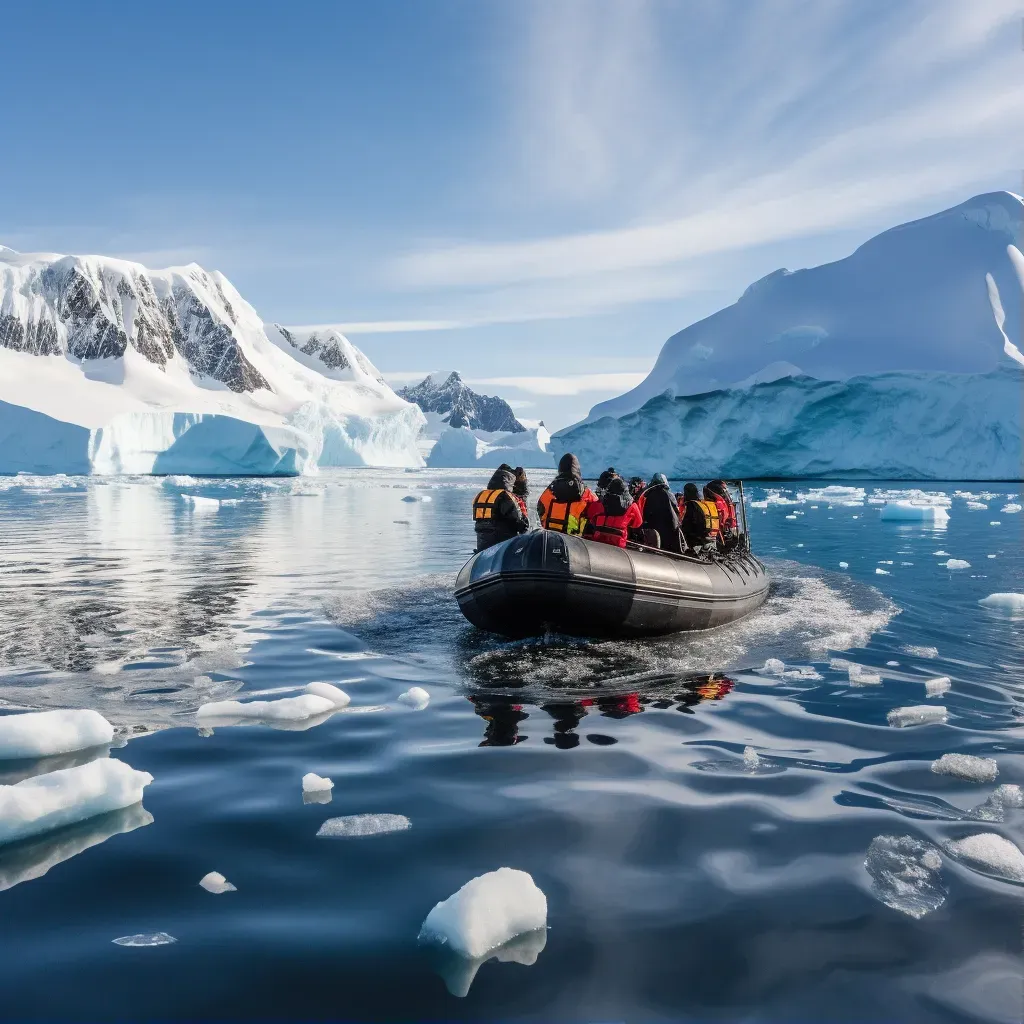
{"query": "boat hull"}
{"type": "Point", "coordinates": [546, 581]}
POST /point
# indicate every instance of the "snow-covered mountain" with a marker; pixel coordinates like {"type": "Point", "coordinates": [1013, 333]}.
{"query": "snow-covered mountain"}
{"type": "Point", "coordinates": [459, 405]}
{"type": "Point", "coordinates": [108, 367]}
{"type": "Point", "coordinates": [902, 361]}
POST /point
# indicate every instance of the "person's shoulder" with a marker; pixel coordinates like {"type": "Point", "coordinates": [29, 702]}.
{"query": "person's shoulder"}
{"type": "Point", "coordinates": [589, 495]}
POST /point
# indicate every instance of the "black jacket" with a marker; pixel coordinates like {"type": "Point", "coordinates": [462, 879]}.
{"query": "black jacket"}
{"type": "Point", "coordinates": [507, 520]}
{"type": "Point", "coordinates": [661, 514]}
{"type": "Point", "coordinates": [694, 525]}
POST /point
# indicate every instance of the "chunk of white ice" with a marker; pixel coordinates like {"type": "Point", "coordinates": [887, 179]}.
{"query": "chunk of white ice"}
{"type": "Point", "coordinates": [940, 554]}
{"type": "Point", "coordinates": [306, 705]}
{"type": "Point", "coordinates": [844, 565]}
{"type": "Point", "coordinates": [976, 505]}
{"type": "Point", "coordinates": [860, 675]}
{"type": "Point", "coordinates": [938, 686]}
{"type": "Point", "coordinates": [1010, 605]}
{"type": "Point", "coordinates": [921, 714]}
{"type": "Point", "coordinates": [957, 563]}
{"type": "Point", "coordinates": [313, 783]}
{"type": "Point", "coordinates": [63, 797]}
{"type": "Point", "coordinates": [145, 939]}
{"type": "Point", "coordinates": [459, 972]}
{"type": "Point", "coordinates": [199, 503]}
{"type": "Point", "coordinates": [773, 667]}
{"type": "Point", "coordinates": [905, 874]}
{"type": "Point", "coordinates": [882, 572]}
{"type": "Point", "coordinates": [1011, 509]}
{"type": "Point", "coordinates": [215, 882]}
{"type": "Point", "coordinates": [338, 697]}
{"type": "Point", "coordinates": [989, 853]}
{"type": "Point", "coordinates": [355, 825]}
{"type": "Point", "coordinates": [487, 912]}
{"type": "Point", "coordinates": [751, 759]}
{"type": "Point", "coordinates": [45, 733]}
{"type": "Point", "coordinates": [1003, 798]}
{"type": "Point", "coordinates": [967, 766]}
{"type": "Point", "coordinates": [416, 697]}
{"type": "Point", "coordinates": [907, 512]}
{"type": "Point", "coordinates": [920, 652]}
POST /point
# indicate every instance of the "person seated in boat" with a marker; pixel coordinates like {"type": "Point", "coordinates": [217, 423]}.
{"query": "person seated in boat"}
{"type": "Point", "coordinates": [603, 480]}
{"type": "Point", "coordinates": [564, 500]}
{"type": "Point", "coordinates": [728, 532]}
{"type": "Point", "coordinates": [700, 521]}
{"type": "Point", "coordinates": [521, 490]}
{"type": "Point", "coordinates": [661, 514]}
{"type": "Point", "coordinates": [637, 486]}
{"type": "Point", "coordinates": [496, 513]}
{"type": "Point", "coordinates": [610, 519]}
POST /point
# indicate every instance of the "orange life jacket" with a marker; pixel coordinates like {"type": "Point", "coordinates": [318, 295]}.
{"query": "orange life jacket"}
{"type": "Point", "coordinates": [483, 504]}
{"type": "Point", "coordinates": [711, 519]}
{"type": "Point", "coordinates": [561, 516]}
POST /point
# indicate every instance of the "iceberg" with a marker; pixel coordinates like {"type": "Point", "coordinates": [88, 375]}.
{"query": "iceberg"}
{"type": "Point", "coordinates": [462, 447]}
{"type": "Point", "coordinates": [64, 797]}
{"type": "Point", "coordinates": [487, 912]}
{"type": "Point", "coordinates": [108, 368]}
{"type": "Point", "coordinates": [893, 363]}
{"type": "Point", "coordinates": [46, 733]}
{"type": "Point", "coordinates": [910, 512]}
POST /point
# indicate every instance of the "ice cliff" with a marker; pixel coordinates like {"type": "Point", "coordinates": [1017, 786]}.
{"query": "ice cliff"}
{"type": "Point", "coordinates": [901, 361]}
{"type": "Point", "coordinates": [107, 367]}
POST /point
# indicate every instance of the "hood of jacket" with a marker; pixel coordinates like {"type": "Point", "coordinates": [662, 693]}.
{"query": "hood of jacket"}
{"type": "Point", "coordinates": [569, 465]}
{"type": "Point", "coordinates": [503, 478]}
{"type": "Point", "coordinates": [616, 504]}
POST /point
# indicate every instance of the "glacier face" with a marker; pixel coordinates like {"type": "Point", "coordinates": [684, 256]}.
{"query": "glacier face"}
{"type": "Point", "coordinates": [902, 361]}
{"type": "Point", "coordinates": [108, 367]}
{"type": "Point", "coordinates": [888, 426]}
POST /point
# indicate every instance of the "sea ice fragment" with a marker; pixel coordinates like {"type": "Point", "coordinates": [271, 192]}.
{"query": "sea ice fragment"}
{"type": "Point", "coordinates": [1011, 605]}
{"type": "Point", "coordinates": [487, 912]}
{"type": "Point", "coordinates": [1003, 798]}
{"type": "Point", "coordinates": [751, 759]}
{"type": "Point", "coordinates": [145, 939]}
{"type": "Point", "coordinates": [1010, 509]}
{"type": "Point", "coordinates": [967, 766]}
{"type": "Point", "coordinates": [313, 783]}
{"type": "Point", "coordinates": [989, 853]}
{"type": "Point", "coordinates": [921, 714]}
{"type": "Point", "coordinates": [215, 882]}
{"type": "Point", "coordinates": [905, 874]}
{"type": "Point", "coordinates": [773, 667]}
{"type": "Point", "coordinates": [416, 697]}
{"type": "Point", "coordinates": [906, 512]}
{"type": "Point", "coordinates": [859, 675]}
{"type": "Point", "coordinates": [882, 572]}
{"type": "Point", "coordinates": [355, 825]}
{"type": "Point", "coordinates": [957, 563]}
{"type": "Point", "coordinates": [917, 651]}
{"type": "Point", "coordinates": [938, 686]}
{"type": "Point", "coordinates": [285, 709]}
{"type": "Point", "coordinates": [844, 565]}
{"type": "Point", "coordinates": [45, 733]}
{"type": "Point", "coordinates": [338, 697]}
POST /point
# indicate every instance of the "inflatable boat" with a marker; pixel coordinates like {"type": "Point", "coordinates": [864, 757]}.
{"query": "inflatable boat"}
{"type": "Point", "coordinates": [543, 581]}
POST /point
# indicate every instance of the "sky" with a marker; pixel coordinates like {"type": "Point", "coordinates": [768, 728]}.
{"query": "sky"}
{"type": "Point", "coordinates": [537, 193]}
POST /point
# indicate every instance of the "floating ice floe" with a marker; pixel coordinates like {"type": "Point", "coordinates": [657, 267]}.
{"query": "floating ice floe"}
{"type": "Point", "coordinates": [356, 825]}
{"type": "Point", "coordinates": [844, 565]}
{"type": "Point", "coordinates": [956, 563]}
{"type": "Point", "coordinates": [1003, 798]}
{"type": "Point", "coordinates": [1010, 605]}
{"type": "Point", "coordinates": [307, 705]}
{"type": "Point", "coordinates": [917, 651]}
{"type": "Point", "coordinates": [938, 686]}
{"type": "Point", "coordinates": [791, 517]}
{"type": "Point", "coordinates": [338, 697]}
{"type": "Point", "coordinates": [751, 759]}
{"type": "Point", "coordinates": [416, 697]}
{"type": "Point", "coordinates": [417, 497]}
{"type": "Point", "coordinates": [907, 512]}
{"type": "Point", "coordinates": [892, 664]}
{"type": "Point", "coordinates": [145, 939]}
{"type": "Point", "coordinates": [45, 733]}
{"type": "Point", "coordinates": [773, 667]}
{"type": "Point", "coordinates": [941, 554]}
{"type": "Point", "coordinates": [64, 797]}
{"type": "Point", "coordinates": [906, 563]}
{"type": "Point", "coordinates": [921, 714]}
{"type": "Point", "coordinates": [199, 503]}
{"type": "Point", "coordinates": [215, 882]}
{"type": "Point", "coordinates": [990, 854]}
{"type": "Point", "coordinates": [776, 667]}
{"type": "Point", "coordinates": [995, 522]}
{"type": "Point", "coordinates": [1011, 509]}
{"type": "Point", "coordinates": [859, 675]}
{"type": "Point", "coordinates": [967, 766]}
{"type": "Point", "coordinates": [313, 783]}
{"type": "Point", "coordinates": [487, 912]}
{"type": "Point", "coordinates": [905, 874]}
{"type": "Point", "coordinates": [882, 572]}
{"type": "Point", "coordinates": [976, 505]}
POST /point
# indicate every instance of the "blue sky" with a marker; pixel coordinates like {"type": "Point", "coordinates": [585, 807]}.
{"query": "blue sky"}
{"type": "Point", "coordinates": [535, 193]}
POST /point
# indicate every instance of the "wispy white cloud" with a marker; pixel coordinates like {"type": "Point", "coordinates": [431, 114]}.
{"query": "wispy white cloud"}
{"type": "Point", "coordinates": [567, 384]}
{"type": "Point", "coordinates": [387, 326]}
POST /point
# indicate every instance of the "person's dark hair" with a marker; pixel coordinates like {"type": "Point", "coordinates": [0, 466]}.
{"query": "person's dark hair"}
{"type": "Point", "coordinates": [690, 492]}
{"type": "Point", "coordinates": [617, 485]}
{"type": "Point", "coordinates": [522, 485]}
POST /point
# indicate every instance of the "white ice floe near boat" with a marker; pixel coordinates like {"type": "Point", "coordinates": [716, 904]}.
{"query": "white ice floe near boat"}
{"type": "Point", "coordinates": [967, 766]}
{"type": "Point", "coordinates": [107, 367]}
{"type": "Point", "coordinates": [46, 733]}
{"type": "Point", "coordinates": [64, 797]}
{"type": "Point", "coordinates": [905, 874]}
{"type": "Point", "coordinates": [487, 912]}
{"type": "Point", "coordinates": [901, 361]}
{"type": "Point", "coordinates": [1010, 605]}
{"type": "Point", "coordinates": [307, 705]}
{"type": "Point", "coordinates": [990, 854]}
{"type": "Point", "coordinates": [215, 882]}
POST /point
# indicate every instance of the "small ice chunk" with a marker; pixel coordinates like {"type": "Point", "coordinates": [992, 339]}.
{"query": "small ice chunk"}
{"type": "Point", "coordinates": [956, 563]}
{"type": "Point", "coordinates": [313, 783]}
{"type": "Point", "coordinates": [920, 714]}
{"type": "Point", "coordinates": [861, 676]}
{"type": "Point", "coordinates": [917, 651]}
{"type": "Point", "coordinates": [459, 972]}
{"type": "Point", "coordinates": [885, 561]}
{"type": "Point", "coordinates": [417, 497]}
{"type": "Point", "coordinates": [906, 563]}
{"type": "Point", "coordinates": [882, 572]}
{"type": "Point", "coordinates": [892, 664]}
{"type": "Point", "coordinates": [751, 759]}
{"type": "Point", "coordinates": [907, 512]}
{"type": "Point", "coordinates": [1011, 509]}
{"type": "Point", "coordinates": [1003, 798]}
{"type": "Point", "coordinates": [773, 667]}
{"type": "Point", "coordinates": [994, 522]}
{"type": "Point", "coordinates": [145, 939]}
{"type": "Point", "coordinates": [905, 874]}
{"type": "Point", "coordinates": [487, 912]}
{"type": "Point", "coordinates": [838, 664]}
{"type": "Point", "coordinates": [285, 709]}
{"type": "Point", "coordinates": [1010, 605]}
{"type": "Point", "coordinates": [940, 554]}
{"type": "Point", "coordinates": [976, 505]}
{"type": "Point", "coordinates": [967, 766]}
{"type": "Point", "coordinates": [215, 882]}
{"type": "Point", "coordinates": [844, 565]}
{"type": "Point", "coordinates": [990, 854]}
{"type": "Point", "coordinates": [416, 697]}
{"type": "Point", "coordinates": [199, 502]}
{"type": "Point", "coordinates": [990, 556]}
{"type": "Point", "coordinates": [338, 697]}
{"type": "Point", "coordinates": [63, 797]}
{"type": "Point", "coordinates": [46, 733]}
{"type": "Point", "coordinates": [938, 686]}
{"type": "Point", "coordinates": [791, 517]}
{"type": "Point", "coordinates": [354, 825]}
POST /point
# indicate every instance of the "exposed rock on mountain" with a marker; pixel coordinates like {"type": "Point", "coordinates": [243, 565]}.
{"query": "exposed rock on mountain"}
{"type": "Point", "coordinates": [458, 405]}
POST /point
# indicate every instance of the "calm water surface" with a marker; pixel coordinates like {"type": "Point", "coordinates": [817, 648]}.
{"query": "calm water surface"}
{"type": "Point", "coordinates": [682, 881]}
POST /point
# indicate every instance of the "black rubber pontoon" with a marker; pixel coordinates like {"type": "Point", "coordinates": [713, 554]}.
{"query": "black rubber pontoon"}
{"type": "Point", "coordinates": [549, 581]}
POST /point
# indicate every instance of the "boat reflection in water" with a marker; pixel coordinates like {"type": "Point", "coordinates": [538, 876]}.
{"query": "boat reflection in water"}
{"type": "Point", "coordinates": [504, 713]}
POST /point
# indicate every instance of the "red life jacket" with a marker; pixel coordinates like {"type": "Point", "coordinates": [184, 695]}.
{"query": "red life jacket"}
{"type": "Point", "coordinates": [724, 512]}
{"type": "Point", "coordinates": [611, 529]}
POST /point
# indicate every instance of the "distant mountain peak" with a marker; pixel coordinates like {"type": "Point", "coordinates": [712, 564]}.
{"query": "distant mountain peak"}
{"type": "Point", "coordinates": [446, 394]}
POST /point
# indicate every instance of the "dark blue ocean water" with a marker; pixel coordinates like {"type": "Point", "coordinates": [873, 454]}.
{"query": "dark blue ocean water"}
{"type": "Point", "coordinates": [682, 882]}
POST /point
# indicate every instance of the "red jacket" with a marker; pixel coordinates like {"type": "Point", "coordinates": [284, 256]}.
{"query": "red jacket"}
{"type": "Point", "coordinates": [521, 502]}
{"type": "Point", "coordinates": [611, 529]}
{"type": "Point", "coordinates": [723, 512]}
